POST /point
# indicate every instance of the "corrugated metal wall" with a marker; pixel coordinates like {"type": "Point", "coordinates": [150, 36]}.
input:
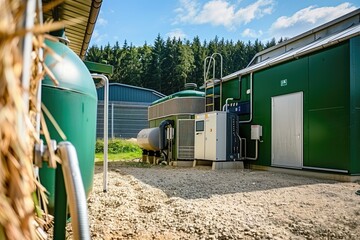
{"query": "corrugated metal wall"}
{"type": "Point", "coordinates": [128, 110]}
{"type": "Point", "coordinates": [126, 119]}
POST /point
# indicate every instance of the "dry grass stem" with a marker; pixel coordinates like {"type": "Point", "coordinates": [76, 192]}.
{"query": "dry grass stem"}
{"type": "Point", "coordinates": [19, 219]}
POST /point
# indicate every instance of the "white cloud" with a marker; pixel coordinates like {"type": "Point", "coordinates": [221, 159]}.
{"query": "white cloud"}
{"type": "Point", "coordinates": [187, 11]}
{"type": "Point", "coordinates": [176, 33]}
{"type": "Point", "coordinates": [101, 21]}
{"type": "Point", "coordinates": [307, 18]}
{"type": "Point", "coordinates": [221, 12]}
{"type": "Point", "coordinates": [251, 33]}
{"type": "Point", "coordinates": [98, 38]}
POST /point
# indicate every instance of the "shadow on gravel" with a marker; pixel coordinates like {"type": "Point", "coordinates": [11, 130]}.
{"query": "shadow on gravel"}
{"type": "Point", "coordinates": [202, 182]}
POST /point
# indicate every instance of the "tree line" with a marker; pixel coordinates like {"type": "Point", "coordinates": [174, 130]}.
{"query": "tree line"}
{"type": "Point", "coordinates": [168, 64]}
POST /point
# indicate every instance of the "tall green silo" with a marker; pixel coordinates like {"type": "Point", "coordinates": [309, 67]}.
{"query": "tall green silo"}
{"type": "Point", "coordinates": [73, 103]}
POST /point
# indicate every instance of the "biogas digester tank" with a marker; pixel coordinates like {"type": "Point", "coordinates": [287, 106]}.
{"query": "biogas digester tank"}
{"type": "Point", "coordinates": [73, 105]}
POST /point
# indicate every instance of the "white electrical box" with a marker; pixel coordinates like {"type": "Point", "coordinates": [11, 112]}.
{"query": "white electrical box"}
{"type": "Point", "coordinates": [256, 132]}
{"type": "Point", "coordinates": [210, 136]}
{"type": "Point", "coordinates": [169, 133]}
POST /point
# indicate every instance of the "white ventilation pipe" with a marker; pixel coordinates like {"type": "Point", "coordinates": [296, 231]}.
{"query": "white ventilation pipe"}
{"type": "Point", "coordinates": [104, 83]}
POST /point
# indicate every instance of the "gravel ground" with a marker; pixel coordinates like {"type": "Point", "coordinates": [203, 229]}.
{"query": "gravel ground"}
{"type": "Point", "coordinates": [198, 203]}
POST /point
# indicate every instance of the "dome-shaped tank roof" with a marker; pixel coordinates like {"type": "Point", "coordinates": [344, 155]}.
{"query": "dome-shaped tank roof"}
{"type": "Point", "coordinates": [71, 72]}
{"type": "Point", "coordinates": [184, 93]}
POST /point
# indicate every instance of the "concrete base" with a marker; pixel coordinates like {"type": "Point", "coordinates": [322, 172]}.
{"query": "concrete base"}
{"type": "Point", "coordinates": [182, 163]}
{"type": "Point", "coordinates": [227, 165]}
{"type": "Point", "coordinates": [202, 163]}
{"type": "Point", "coordinates": [219, 165]}
{"type": "Point", "coordinates": [308, 173]}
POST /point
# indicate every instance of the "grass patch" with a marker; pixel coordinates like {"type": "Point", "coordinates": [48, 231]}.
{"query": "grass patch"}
{"type": "Point", "coordinates": [118, 149]}
{"type": "Point", "coordinates": [117, 156]}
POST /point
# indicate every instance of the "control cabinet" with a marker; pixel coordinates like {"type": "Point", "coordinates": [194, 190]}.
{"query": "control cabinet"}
{"type": "Point", "coordinates": [216, 136]}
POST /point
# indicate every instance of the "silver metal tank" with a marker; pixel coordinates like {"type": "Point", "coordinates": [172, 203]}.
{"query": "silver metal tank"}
{"type": "Point", "coordinates": [148, 139]}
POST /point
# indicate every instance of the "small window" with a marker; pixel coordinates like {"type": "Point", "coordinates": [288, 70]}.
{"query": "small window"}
{"type": "Point", "coordinates": [199, 126]}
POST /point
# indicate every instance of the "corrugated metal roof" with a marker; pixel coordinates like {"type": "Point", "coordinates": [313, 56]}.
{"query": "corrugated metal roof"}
{"type": "Point", "coordinates": [331, 33]}
{"type": "Point", "coordinates": [127, 93]}
{"type": "Point", "coordinates": [82, 15]}
{"type": "Point", "coordinates": [296, 53]}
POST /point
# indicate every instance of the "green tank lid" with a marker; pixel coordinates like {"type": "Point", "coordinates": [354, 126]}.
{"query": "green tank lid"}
{"type": "Point", "coordinates": [71, 72]}
{"type": "Point", "coordinates": [184, 93]}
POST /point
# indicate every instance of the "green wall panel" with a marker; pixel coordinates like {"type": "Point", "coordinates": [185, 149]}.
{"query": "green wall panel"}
{"type": "Point", "coordinates": [329, 78]}
{"type": "Point", "coordinates": [355, 105]}
{"type": "Point", "coordinates": [329, 108]}
{"type": "Point", "coordinates": [231, 89]}
{"type": "Point", "coordinates": [323, 77]}
{"type": "Point", "coordinates": [266, 84]}
{"type": "Point", "coordinates": [328, 139]}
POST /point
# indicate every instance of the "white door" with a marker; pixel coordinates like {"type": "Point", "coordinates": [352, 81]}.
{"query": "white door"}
{"type": "Point", "coordinates": [287, 130]}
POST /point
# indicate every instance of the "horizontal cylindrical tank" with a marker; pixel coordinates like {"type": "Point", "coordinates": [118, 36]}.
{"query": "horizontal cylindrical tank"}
{"type": "Point", "coordinates": [148, 139]}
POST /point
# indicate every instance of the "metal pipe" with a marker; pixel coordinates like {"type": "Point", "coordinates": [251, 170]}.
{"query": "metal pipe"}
{"type": "Point", "coordinates": [256, 152]}
{"type": "Point", "coordinates": [28, 24]}
{"type": "Point", "coordinates": [105, 83]}
{"type": "Point", "coordinates": [26, 48]}
{"type": "Point", "coordinates": [41, 55]}
{"type": "Point", "coordinates": [112, 120]}
{"type": "Point", "coordinates": [75, 190]}
{"type": "Point", "coordinates": [221, 63]}
{"type": "Point", "coordinates": [206, 69]}
{"type": "Point", "coordinates": [221, 73]}
{"type": "Point", "coordinates": [251, 101]}
{"type": "Point", "coordinates": [244, 139]}
{"type": "Point", "coordinates": [225, 107]}
{"type": "Point", "coordinates": [240, 157]}
{"type": "Point", "coordinates": [39, 145]}
{"type": "Point", "coordinates": [214, 70]}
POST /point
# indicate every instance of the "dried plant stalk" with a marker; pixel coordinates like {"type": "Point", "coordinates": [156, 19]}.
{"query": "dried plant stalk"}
{"type": "Point", "coordinates": [17, 174]}
{"type": "Point", "coordinates": [19, 219]}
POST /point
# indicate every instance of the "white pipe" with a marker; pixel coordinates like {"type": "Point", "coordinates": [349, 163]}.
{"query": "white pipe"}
{"type": "Point", "coordinates": [251, 100]}
{"type": "Point", "coordinates": [256, 152]}
{"type": "Point", "coordinates": [75, 190]}
{"type": "Point", "coordinates": [26, 50]}
{"type": "Point", "coordinates": [41, 55]}
{"type": "Point", "coordinates": [39, 90]}
{"type": "Point", "coordinates": [225, 107]}
{"type": "Point", "coordinates": [105, 83]}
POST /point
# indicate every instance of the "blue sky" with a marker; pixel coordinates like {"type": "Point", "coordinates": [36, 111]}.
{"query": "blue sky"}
{"type": "Point", "coordinates": [140, 21]}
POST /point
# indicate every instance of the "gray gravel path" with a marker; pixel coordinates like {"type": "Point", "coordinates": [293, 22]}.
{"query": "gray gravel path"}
{"type": "Point", "coordinates": [198, 203]}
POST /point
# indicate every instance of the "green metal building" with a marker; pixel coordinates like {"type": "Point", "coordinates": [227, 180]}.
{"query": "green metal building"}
{"type": "Point", "coordinates": [305, 93]}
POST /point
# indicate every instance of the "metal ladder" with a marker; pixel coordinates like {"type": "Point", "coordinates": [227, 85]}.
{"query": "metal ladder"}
{"type": "Point", "coordinates": [211, 97]}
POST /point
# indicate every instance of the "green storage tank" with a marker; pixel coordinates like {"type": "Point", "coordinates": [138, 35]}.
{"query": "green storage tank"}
{"type": "Point", "coordinates": [73, 104]}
